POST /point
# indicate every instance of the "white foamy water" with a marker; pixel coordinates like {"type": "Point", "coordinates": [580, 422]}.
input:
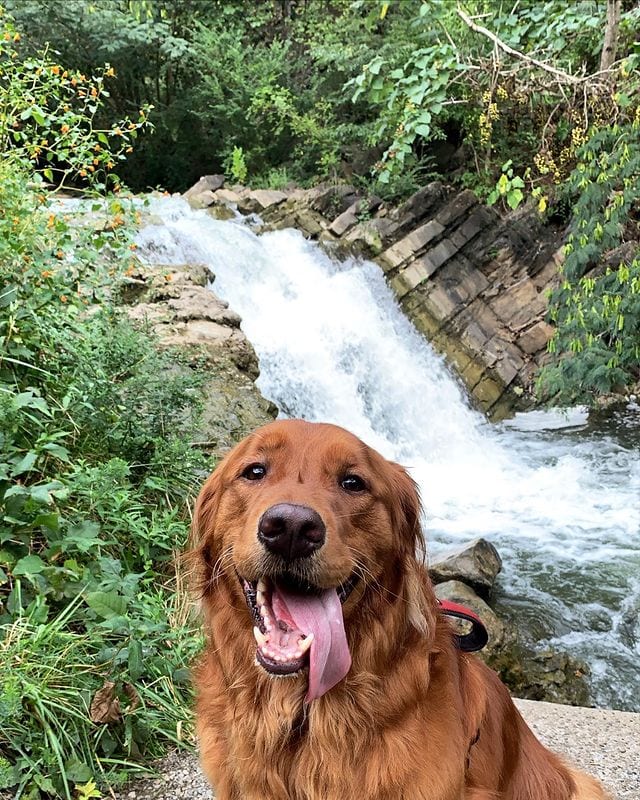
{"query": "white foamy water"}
{"type": "Point", "coordinates": [559, 500]}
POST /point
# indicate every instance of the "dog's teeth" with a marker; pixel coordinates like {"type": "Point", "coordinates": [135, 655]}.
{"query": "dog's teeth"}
{"type": "Point", "coordinates": [305, 644]}
{"type": "Point", "coordinates": [260, 637]}
{"type": "Point", "coordinates": [262, 586]}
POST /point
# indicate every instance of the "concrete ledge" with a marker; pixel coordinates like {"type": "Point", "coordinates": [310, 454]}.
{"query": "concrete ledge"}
{"type": "Point", "coordinates": [604, 743]}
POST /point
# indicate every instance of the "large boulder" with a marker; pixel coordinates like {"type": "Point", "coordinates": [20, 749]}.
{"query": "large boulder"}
{"type": "Point", "coordinates": [477, 564]}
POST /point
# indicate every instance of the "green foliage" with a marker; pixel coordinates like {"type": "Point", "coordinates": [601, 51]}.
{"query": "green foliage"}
{"type": "Point", "coordinates": [508, 188]}
{"type": "Point", "coordinates": [48, 115]}
{"type": "Point", "coordinates": [95, 472]}
{"type": "Point", "coordinates": [597, 306]}
{"type": "Point", "coordinates": [410, 97]}
{"type": "Point", "coordinates": [236, 165]}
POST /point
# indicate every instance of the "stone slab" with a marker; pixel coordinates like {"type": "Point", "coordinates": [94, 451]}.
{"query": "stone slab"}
{"type": "Point", "coordinates": [477, 222]}
{"type": "Point", "coordinates": [534, 339]}
{"type": "Point", "coordinates": [519, 304]}
{"type": "Point", "coordinates": [265, 198]}
{"type": "Point", "coordinates": [442, 252]}
{"type": "Point", "coordinates": [456, 208]}
{"type": "Point", "coordinates": [412, 243]}
{"type": "Point", "coordinates": [227, 196]}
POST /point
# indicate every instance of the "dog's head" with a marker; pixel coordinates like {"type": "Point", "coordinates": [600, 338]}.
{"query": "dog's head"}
{"type": "Point", "coordinates": [302, 518]}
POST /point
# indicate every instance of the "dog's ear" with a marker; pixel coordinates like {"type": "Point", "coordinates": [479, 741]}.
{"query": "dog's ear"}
{"type": "Point", "coordinates": [202, 552]}
{"type": "Point", "coordinates": [206, 509]}
{"type": "Point", "coordinates": [407, 511]}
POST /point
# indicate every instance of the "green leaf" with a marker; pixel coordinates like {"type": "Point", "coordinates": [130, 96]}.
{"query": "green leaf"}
{"type": "Point", "coordinates": [82, 537]}
{"type": "Point", "coordinates": [25, 464]}
{"type": "Point", "coordinates": [41, 494]}
{"type": "Point", "coordinates": [107, 604]}
{"type": "Point", "coordinates": [57, 450]}
{"type": "Point", "coordinates": [136, 661]}
{"type": "Point", "coordinates": [77, 771]}
{"type": "Point", "coordinates": [29, 565]}
{"type": "Point", "coordinates": [514, 198]}
{"type": "Point", "coordinates": [50, 521]}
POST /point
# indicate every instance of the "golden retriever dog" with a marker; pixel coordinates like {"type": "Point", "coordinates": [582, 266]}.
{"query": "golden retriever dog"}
{"type": "Point", "coordinates": [330, 673]}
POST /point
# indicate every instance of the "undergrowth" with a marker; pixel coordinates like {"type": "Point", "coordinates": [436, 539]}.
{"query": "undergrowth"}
{"type": "Point", "coordinates": [95, 462]}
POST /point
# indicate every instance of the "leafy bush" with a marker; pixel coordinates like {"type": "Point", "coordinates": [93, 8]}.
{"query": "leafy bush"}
{"type": "Point", "coordinates": [95, 471]}
{"type": "Point", "coordinates": [597, 306]}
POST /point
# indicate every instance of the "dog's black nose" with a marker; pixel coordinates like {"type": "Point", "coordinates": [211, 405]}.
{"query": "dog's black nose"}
{"type": "Point", "coordinates": [291, 531]}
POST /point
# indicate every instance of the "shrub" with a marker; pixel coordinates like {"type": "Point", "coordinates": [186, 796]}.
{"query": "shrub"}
{"type": "Point", "coordinates": [95, 470]}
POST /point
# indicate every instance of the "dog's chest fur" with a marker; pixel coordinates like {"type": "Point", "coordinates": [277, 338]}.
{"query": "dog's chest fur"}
{"type": "Point", "coordinates": [365, 742]}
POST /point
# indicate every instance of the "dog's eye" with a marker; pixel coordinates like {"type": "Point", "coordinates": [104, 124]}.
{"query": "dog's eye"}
{"type": "Point", "coordinates": [353, 483]}
{"type": "Point", "coordinates": [254, 472]}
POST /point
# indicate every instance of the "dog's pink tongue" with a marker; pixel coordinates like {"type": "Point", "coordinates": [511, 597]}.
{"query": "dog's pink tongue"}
{"type": "Point", "coordinates": [321, 615]}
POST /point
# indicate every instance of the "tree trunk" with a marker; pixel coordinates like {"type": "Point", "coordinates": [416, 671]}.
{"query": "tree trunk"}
{"type": "Point", "coordinates": [614, 8]}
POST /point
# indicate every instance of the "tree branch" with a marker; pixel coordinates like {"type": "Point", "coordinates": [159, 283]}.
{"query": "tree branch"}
{"type": "Point", "coordinates": [561, 75]}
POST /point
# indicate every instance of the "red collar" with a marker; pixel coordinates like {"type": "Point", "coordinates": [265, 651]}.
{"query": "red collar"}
{"type": "Point", "coordinates": [477, 636]}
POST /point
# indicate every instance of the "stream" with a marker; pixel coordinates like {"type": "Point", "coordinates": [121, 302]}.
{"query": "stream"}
{"type": "Point", "coordinates": [556, 491]}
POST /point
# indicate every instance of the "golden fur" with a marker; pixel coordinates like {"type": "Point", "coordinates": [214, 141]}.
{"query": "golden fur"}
{"type": "Point", "coordinates": [415, 718]}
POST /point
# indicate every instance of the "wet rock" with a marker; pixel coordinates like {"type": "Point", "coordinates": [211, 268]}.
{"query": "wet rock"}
{"type": "Point", "coordinates": [222, 212]}
{"type": "Point", "coordinates": [206, 183]}
{"type": "Point", "coordinates": [202, 200]}
{"type": "Point", "coordinates": [549, 675]}
{"type": "Point", "coordinates": [365, 239]}
{"type": "Point", "coordinates": [309, 223]}
{"type": "Point", "coordinates": [477, 564]}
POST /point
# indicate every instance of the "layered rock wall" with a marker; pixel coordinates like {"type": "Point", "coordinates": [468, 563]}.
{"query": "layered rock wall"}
{"type": "Point", "coordinates": [473, 282]}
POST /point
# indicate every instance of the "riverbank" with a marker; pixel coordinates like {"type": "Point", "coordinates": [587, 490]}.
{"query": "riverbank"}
{"type": "Point", "coordinates": [602, 742]}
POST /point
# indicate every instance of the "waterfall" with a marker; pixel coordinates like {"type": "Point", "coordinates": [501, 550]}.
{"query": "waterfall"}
{"type": "Point", "coordinates": [558, 498]}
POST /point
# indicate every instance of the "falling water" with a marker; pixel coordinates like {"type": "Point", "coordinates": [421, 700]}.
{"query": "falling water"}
{"type": "Point", "coordinates": [558, 497]}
